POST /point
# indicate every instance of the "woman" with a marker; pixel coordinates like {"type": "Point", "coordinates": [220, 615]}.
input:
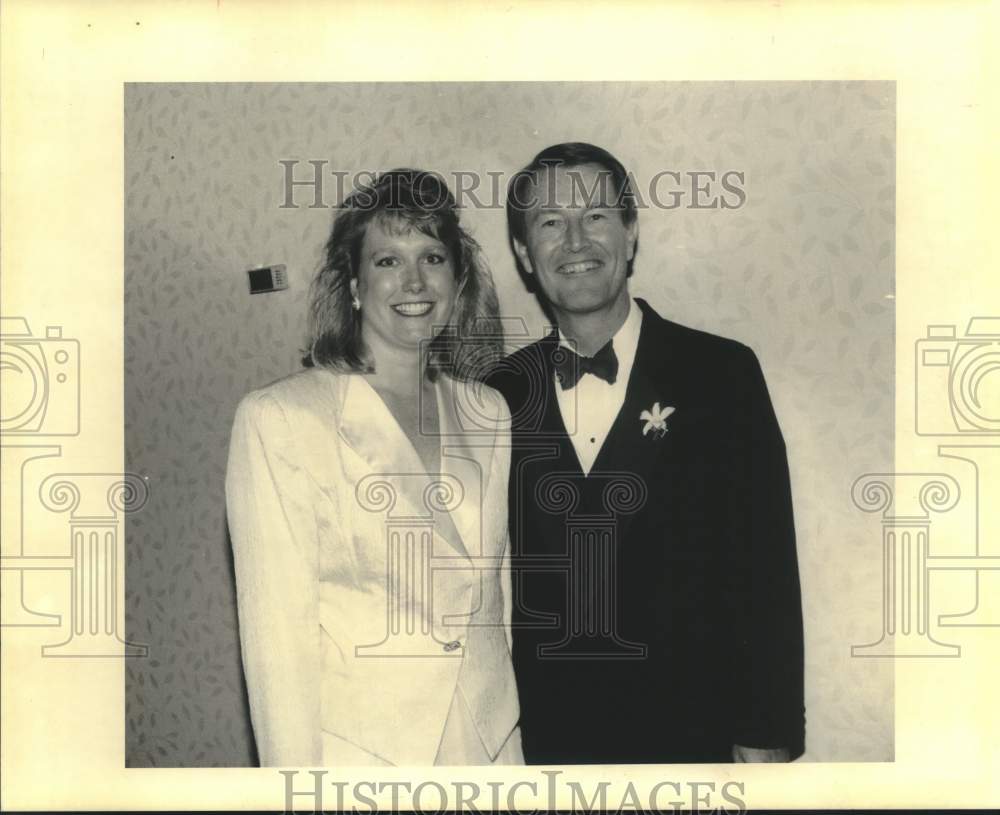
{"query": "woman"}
{"type": "Point", "coordinates": [368, 505]}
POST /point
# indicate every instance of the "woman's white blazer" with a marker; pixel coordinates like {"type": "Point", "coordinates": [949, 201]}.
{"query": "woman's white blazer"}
{"type": "Point", "coordinates": [370, 593]}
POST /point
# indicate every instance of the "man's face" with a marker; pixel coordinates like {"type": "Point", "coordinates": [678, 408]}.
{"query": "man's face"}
{"type": "Point", "coordinates": [576, 243]}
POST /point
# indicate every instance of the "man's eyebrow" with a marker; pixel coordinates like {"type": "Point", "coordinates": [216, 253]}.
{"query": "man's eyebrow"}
{"type": "Point", "coordinates": [548, 209]}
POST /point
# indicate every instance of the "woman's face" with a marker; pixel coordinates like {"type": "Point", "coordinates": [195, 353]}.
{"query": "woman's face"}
{"type": "Point", "coordinates": [406, 285]}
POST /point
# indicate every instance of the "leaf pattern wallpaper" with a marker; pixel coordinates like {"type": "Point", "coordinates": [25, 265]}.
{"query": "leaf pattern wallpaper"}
{"type": "Point", "coordinates": [801, 270]}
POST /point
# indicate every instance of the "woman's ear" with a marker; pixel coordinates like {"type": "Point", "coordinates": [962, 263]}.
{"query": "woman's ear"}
{"type": "Point", "coordinates": [355, 300]}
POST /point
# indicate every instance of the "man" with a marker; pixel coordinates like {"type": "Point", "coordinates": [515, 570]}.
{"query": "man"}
{"type": "Point", "coordinates": [657, 611]}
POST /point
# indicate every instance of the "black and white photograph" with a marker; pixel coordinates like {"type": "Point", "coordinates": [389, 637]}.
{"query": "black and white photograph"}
{"type": "Point", "coordinates": [637, 343]}
{"type": "Point", "coordinates": [471, 406]}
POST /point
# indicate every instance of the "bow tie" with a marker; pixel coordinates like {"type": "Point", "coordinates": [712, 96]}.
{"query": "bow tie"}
{"type": "Point", "coordinates": [570, 366]}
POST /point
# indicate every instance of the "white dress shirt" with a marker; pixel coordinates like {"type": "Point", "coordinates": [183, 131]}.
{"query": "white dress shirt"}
{"type": "Point", "coordinates": [591, 407]}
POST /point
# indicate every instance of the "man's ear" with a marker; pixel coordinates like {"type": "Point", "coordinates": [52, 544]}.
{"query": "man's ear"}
{"type": "Point", "coordinates": [522, 255]}
{"type": "Point", "coordinates": [633, 236]}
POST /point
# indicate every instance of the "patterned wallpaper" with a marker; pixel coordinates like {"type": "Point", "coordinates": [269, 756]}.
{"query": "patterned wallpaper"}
{"type": "Point", "coordinates": [802, 272]}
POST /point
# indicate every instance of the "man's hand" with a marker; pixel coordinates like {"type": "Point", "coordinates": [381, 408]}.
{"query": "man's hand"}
{"type": "Point", "coordinates": [760, 755]}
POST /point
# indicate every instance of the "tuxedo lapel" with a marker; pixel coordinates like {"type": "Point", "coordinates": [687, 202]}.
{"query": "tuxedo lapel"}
{"type": "Point", "coordinates": [626, 449]}
{"type": "Point", "coordinates": [552, 424]}
{"type": "Point", "coordinates": [369, 428]}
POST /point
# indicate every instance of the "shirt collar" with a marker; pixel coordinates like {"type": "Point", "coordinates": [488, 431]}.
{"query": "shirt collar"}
{"type": "Point", "coordinates": [625, 341]}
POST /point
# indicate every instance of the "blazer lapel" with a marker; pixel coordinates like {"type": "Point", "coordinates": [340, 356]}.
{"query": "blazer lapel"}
{"type": "Point", "coordinates": [465, 464]}
{"type": "Point", "coordinates": [369, 428]}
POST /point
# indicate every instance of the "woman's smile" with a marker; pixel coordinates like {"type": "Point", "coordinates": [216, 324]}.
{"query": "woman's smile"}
{"type": "Point", "coordinates": [416, 309]}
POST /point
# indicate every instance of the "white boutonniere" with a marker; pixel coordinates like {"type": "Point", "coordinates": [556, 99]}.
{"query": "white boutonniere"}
{"type": "Point", "coordinates": [655, 420]}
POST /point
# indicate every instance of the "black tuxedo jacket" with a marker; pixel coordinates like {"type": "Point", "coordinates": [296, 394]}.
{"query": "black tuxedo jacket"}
{"type": "Point", "coordinates": [657, 614]}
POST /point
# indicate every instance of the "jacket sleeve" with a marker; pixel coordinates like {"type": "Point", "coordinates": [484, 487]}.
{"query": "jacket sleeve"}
{"type": "Point", "coordinates": [275, 553]}
{"type": "Point", "coordinates": [767, 605]}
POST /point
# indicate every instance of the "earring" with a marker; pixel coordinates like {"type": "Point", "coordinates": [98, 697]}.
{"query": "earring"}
{"type": "Point", "coordinates": [356, 303]}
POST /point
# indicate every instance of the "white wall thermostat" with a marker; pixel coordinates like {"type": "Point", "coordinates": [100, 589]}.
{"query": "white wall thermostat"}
{"type": "Point", "coordinates": [267, 278]}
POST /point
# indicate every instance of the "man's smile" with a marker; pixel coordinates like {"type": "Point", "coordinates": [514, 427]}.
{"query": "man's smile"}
{"type": "Point", "coordinates": [579, 267]}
